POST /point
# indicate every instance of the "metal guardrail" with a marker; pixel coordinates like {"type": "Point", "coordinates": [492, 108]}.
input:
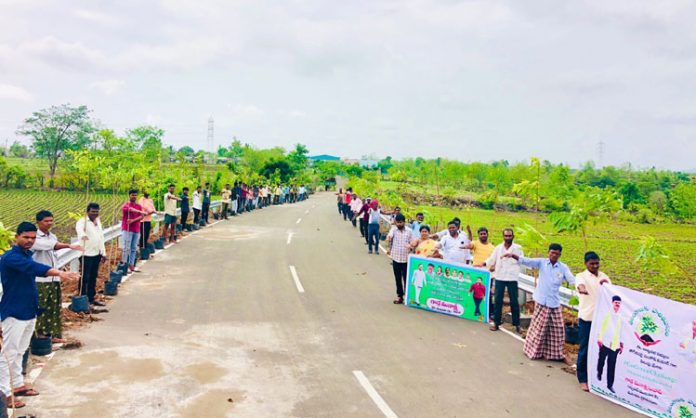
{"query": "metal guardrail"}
{"type": "Point", "coordinates": [70, 257]}
{"type": "Point", "coordinates": [527, 283]}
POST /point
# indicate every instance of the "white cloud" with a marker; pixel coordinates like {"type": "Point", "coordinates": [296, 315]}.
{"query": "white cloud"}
{"type": "Point", "coordinates": [95, 17]}
{"type": "Point", "coordinates": [71, 55]}
{"type": "Point", "coordinates": [108, 87]}
{"type": "Point", "coordinates": [11, 92]}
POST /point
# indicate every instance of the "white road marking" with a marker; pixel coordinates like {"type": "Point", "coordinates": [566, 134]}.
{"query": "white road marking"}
{"type": "Point", "coordinates": [512, 334]}
{"type": "Point", "coordinates": [298, 220]}
{"type": "Point", "coordinates": [306, 212]}
{"type": "Point", "coordinates": [290, 234]}
{"type": "Point", "coordinates": [381, 404]}
{"type": "Point", "coordinates": [296, 279]}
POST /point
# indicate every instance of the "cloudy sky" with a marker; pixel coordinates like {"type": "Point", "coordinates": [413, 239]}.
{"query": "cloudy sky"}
{"type": "Point", "coordinates": [471, 80]}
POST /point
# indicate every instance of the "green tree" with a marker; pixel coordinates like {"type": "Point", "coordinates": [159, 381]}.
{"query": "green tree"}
{"type": "Point", "coordinates": [19, 150]}
{"type": "Point", "coordinates": [683, 201]}
{"type": "Point", "coordinates": [298, 156]}
{"type": "Point", "coordinates": [148, 139]}
{"type": "Point", "coordinates": [56, 130]}
{"type": "Point", "coordinates": [187, 151]}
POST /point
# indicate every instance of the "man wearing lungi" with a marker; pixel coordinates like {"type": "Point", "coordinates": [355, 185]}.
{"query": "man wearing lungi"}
{"type": "Point", "coordinates": [546, 333]}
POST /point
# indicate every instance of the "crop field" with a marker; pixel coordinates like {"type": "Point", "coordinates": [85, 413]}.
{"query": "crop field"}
{"type": "Point", "coordinates": [22, 205]}
{"type": "Point", "coordinates": [616, 242]}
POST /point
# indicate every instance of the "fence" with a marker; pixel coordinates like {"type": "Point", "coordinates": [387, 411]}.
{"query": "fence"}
{"type": "Point", "coordinates": [71, 257]}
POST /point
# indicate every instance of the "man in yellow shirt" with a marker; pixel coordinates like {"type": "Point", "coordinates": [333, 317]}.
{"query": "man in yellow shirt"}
{"type": "Point", "coordinates": [609, 342]}
{"type": "Point", "coordinates": [481, 249]}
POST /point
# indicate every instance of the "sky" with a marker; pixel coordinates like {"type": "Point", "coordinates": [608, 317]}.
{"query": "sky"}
{"type": "Point", "coordinates": [466, 80]}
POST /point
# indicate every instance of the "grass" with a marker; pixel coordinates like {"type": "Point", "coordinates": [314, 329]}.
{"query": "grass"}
{"type": "Point", "coordinates": [22, 205]}
{"type": "Point", "coordinates": [616, 242]}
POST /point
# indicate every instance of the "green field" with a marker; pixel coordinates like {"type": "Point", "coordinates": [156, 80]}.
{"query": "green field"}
{"type": "Point", "coordinates": [616, 242]}
{"type": "Point", "coordinates": [22, 205]}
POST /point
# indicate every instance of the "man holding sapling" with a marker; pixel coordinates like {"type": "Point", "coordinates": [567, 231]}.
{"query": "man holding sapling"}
{"type": "Point", "coordinates": [91, 235]}
{"type": "Point", "coordinates": [170, 200]}
{"type": "Point", "coordinates": [587, 284]}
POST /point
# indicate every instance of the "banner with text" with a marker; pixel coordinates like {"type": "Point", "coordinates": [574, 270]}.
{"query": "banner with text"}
{"type": "Point", "coordinates": [448, 288]}
{"type": "Point", "coordinates": [643, 353]}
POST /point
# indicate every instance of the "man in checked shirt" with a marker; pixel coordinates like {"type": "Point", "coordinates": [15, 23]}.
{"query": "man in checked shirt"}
{"type": "Point", "coordinates": [400, 239]}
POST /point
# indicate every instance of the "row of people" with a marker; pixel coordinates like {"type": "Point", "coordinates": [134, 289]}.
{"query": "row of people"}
{"type": "Point", "coordinates": [506, 261]}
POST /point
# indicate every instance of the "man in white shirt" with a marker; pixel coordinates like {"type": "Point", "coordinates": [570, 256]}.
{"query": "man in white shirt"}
{"type": "Point", "coordinates": [90, 234]}
{"type": "Point", "coordinates": [170, 200]}
{"type": "Point", "coordinates": [588, 285]}
{"type": "Point", "coordinates": [198, 205]}
{"type": "Point", "coordinates": [450, 245]}
{"type": "Point", "coordinates": [507, 273]}
{"type": "Point", "coordinates": [609, 340]}
{"type": "Point", "coordinates": [419, 281]}
{"type": "Point", "coordinates": [355, 206]}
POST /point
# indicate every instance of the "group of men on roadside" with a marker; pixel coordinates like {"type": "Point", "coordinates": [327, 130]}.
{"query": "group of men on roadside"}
{"type": "Point", "coordinates": [545, 337]}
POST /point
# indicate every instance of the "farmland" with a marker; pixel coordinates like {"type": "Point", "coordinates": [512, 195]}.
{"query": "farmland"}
{"type": "Point", "coordinates": [22, 205]}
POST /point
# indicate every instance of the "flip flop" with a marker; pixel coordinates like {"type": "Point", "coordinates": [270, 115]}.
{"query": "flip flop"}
{"type": "Point", "coordinates": [25, 392]}
{"type": "Point", "coordinates": [399, 301]}
{"type": "Point", "coordinates": [16, 404]}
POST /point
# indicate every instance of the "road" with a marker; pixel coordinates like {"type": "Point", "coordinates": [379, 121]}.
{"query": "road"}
{"type": "Point", "coordinates": [216, 326]}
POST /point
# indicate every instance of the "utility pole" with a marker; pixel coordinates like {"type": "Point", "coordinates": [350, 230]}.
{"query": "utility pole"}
{"type": "Point", "coordinates": [600, 154]}
{"type": "Point", "coordinates": [211, 138]}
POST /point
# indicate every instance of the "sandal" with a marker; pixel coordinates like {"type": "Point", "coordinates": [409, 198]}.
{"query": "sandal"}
{"type": "Point", "coordinates": [25, 392]}
{"type": "Point", "coordinates": [398, 301]}
{"type": "Point", "coordinates": [494, 328]}
{"type": "Point", "coordinates": [14, 403]}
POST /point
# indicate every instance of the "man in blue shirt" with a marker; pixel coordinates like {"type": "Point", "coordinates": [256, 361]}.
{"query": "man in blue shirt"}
{"type": "Point", "coordinates": [546, 334]}
{"type": "Point", "coordinates": [415, 225]}
{"type": "Point", "coordinates": [19, 307]}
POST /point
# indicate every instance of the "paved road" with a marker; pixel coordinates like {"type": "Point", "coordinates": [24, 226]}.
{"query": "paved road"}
{"type": "Point", "coordinates": [215, 326]}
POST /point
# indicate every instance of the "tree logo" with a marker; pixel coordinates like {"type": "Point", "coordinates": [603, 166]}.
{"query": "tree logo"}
{"type": "Point", "coordinates": [681, 408]}
{"type": "Point", "coordinates": [649, 326]}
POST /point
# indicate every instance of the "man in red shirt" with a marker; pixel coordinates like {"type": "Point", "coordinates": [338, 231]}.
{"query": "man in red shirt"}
{"type": "Point", "coordinates": [347, 213]}
{"type": "Point", "coordinates": [130, 228]}
{"type": "Point", "coordinates": [479, 291]}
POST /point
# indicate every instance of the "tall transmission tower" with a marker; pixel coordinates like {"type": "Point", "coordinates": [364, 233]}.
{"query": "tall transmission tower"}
{"type": "Point", "coordinates": [600, 154]}
{"type": "Point", "coordinates": [211, 137]}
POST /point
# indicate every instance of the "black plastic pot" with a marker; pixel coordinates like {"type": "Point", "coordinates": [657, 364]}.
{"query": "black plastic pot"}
{"type": "Point", "coordinates": [115, 276]}
{"type": "Point", "coordinates": [41, 346]}
{"type": "Point", "coordinates": [144, 254]}
{"type": "Point", "coordinates": [122, 268]}
{"type": "Point", "coordinates": [178, 227]}
{"type": "Point", "coordinates": [110, 288]}
{"type": "Point", "coordinates": [79, 304]}
{"type": "Point", "coordinates": [572, 334]}
{"type": "Point", "coordinates": [201, 223]}
{"type": "Point", "coordinates": [189, 227]}
{"type": "Point", "coordinates": [150, 247]}
{"type": "Point", "coordinates": [195, 227]}
{"type": "Point", "coordinates": [159, 244]}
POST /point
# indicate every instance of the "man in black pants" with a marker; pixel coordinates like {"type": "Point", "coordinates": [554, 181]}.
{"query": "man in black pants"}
{"type": "Point", "coordinates": [609, 341]}
{"type": "Point", "coordinates": [400, 238]}
{"type": "Point", "coordinates": [206, 202]}
{"type": "Point", "coordinates": [184, 208]}
{"type": "Point", "coordinates": [507, 272]}
{"type": "Point", "coordinates": [90, 233]}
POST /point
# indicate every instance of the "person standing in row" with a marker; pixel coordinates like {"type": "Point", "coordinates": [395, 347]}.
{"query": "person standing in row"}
{"type": "Point", "coordinates": [346, 203]}
{"type": "Point", "coordinates": [91, 235]}
{"type": "Point", "coordinates": [19, 307]}
{"type": "Point", "coordinates": [373, 214]}
{"type": "Point", "coordinates": [588, 285]}
{"type": "Point", "coordinates": [355, 206]}
{"type": "Point", "coordinates": [170, 200]}
{"type": "Point", "coordinates": [206, 202]}
{"type": "Point", "coordinates": [226, 196]}
{"type": "Point", "coordinates": [339, 201]}
{"type": "Point", "coordinates": [481, 248]}
{"type": "Point", "coordinates": [400, 239]}
{"type": "Point", "coordinates": [185, 207]}
{"type": "Point", "coordinates": [416, 225]}
{"type": "Point", "coordinates": [363, 216]}
{"type": "Point", "coordinates": [197, 205]}
{"type": "Point", "coordinates": [453, 245]}
{"type": "Point", "coordinates": [507, 273]}
{"type": "Point", "coordinates": [546, 335]}
{"type": "Point", "coordinates": [233, 199]}
{"type": "Point", "coordinates": [130, 228]}
{"type": "Point", "coordinates": [50, 296]}
{"type": "Point", "coordinates": [146, 224]}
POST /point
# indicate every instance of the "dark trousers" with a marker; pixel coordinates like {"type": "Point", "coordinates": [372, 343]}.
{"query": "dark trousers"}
{"type": "Point", "coordinates": [196, 215]}
{"type": "Point", "coordinates": [399, 277]}
{"type": "Point", "coordinates": [500, 286]}
{"type": "Point", "coordinates": [363, 228]}
{"type": "Point", "coordinates": [477, 302]}
{"type": "Point", "coordinates": [346, 209]}
{"type": "Point", "coordinates": [608, 355]}
{"type": "Point", "coordinates": [340, 207]}
{"type": "Point", "coordinates": [89, 276]}
{"type": "Point", "coordinates": [145, 228]}
{"type": "Point", "coordinates": [373, 237]}
{"type": "Point", "coordinates": [225, 207]}
{"type": "Point", "coordinates": [582, 352]}
{"type": "Point", "coordinates": [353, 220]}
{"type": "Point", "coordinates": [205, 211]}
{"type": "Point", "coordinates": [184, 219]}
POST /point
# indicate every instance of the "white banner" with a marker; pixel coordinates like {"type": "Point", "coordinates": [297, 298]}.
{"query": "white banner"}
{"type": "Point", "coordinates": [642, 353]}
